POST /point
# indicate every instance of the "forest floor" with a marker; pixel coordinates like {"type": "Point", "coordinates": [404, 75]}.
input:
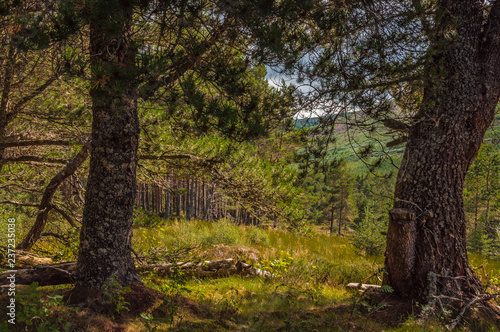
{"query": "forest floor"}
{"type": "Point", "coordinates": [307, 292]}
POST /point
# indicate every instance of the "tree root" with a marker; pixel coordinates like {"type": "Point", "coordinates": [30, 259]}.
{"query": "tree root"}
{"type": "Point", "coordinates": [476, 299]}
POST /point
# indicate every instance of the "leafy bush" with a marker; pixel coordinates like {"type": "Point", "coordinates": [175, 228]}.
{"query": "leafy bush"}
{"type": "Point", "coordinates": [40, 313]}
{"type": "Point", "coordinates": [277, 266]}
{"type": "Point", "coordinates": [114, 294]}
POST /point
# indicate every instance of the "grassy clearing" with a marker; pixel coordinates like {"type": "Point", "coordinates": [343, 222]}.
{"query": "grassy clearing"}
{"type": "Point", "coordinates": [308, 293]}
{"type": "Point", "coordinates": [331, 260]}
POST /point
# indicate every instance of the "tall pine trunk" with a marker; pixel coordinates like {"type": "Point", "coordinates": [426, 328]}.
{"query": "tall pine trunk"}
{"type": "Point", "coordinates": [426, 242]}
{"type": "Point", "coordinates": [105, 238]}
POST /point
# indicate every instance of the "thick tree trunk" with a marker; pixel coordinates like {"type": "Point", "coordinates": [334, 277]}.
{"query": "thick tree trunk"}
{"type": "Point", "coordinates": [426, 254]}
{"type": "Point", "coordinates": [105, 238]}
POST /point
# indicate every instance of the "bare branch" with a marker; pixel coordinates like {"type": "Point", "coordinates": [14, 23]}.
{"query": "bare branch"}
{"type": "Point", "coordinates": [9, 73]}
{"type": "Point", "coordinates": [479, 298]}
{"type": "Point", "coordinates": [397, 141]}
{"type": "Point", "coordinates": [23, 159]}
{"type": "Point", "coordinates": [396, 125]}
{"type": "Point", "coordinates": [64, 214]}
{"type": "Point", "coordinates": [46, 203]}
{"type": "Point", "coordinates": [19, 203]}
{"type": "Point", "coordinates": [57, 236]}
{"type": "Point", "coordinates": [17, 107]}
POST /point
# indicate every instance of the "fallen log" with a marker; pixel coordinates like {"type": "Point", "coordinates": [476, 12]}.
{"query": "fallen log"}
{"type": "Point", "coordinates": [249, 270]}
{"type": "Point", "coordinates": [65, 273]}
{"type": "Point", "coordinates": [218, 268]}
{"type": "Point", "coordinates": [23, 258]}
{"type": "Point", "coordinates": [45, 275]}
{"type": "Point", "coordinates": [360, 286]}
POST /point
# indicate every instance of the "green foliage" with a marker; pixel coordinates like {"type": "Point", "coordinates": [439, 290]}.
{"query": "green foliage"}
{"type": "Point", "coordinates": [173, 288]}
{"type": "Point", "coordinates": [478, 242]}
{"type": "Point", "coordinates": [143, 218]}
{"type": "Point", "coordinates": [277, 266]}
{"type": "Point", "coordinates": [368, 237]}
{"type": "Point", "coordinates": [149, 322]}
{"type": "Point", "coordinates": [481, 201]}
{"type": "Point", "coordinates": [68, 251]}
{"type": "Point", "coordinates": [114, 294]}
{"type": "Point", "coordinates": [41, 313]}
{"type": "Point", "coordinates": [482, 187]}
{"type": "Point", "coordinates": [386, 289]}
{"type": "Point", "coordinates": [222, 232]}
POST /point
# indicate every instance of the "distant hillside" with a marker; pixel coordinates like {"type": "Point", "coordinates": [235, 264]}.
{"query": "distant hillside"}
{"type": "Point", "coordinates": [306, 123]}
{"type": "Point", "coordinates": [348, 146]}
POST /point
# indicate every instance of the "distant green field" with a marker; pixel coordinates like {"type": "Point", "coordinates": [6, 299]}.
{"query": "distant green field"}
{"type": "Point", "coordinates": [348, 146]}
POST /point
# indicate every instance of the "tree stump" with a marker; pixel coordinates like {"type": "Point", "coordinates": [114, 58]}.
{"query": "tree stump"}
{"type": "Point", "coordinates": [400, 250]}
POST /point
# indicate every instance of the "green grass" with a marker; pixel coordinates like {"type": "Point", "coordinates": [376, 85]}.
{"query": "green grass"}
{"type": "Point", "coordinates": [307, 293]}
{"type": "Point", "coordinates": [319, 257]}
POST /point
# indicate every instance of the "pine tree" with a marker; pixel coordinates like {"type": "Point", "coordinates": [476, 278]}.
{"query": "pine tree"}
{"type": "Point", "coordinates": [427, 70]}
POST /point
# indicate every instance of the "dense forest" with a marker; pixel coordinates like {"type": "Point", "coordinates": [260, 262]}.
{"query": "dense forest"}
{"type": "Point", "coordinates": [265, 165]}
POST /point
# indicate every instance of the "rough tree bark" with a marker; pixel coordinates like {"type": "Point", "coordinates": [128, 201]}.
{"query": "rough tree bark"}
{"type": "Point", "coordinates": [448, 131]}
{"type": "Point", "coordinates": [105, 238]}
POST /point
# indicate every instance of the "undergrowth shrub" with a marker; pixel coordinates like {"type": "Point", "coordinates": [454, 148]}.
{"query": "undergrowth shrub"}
{"type": "Point", "coordinates": [114, 294]}
{"type": "Point", "coordinates": [279, 265]}
{"type": "Point", "coordinates": [68, 251]}
{"type": "Point", "coordinates": [41, 313]}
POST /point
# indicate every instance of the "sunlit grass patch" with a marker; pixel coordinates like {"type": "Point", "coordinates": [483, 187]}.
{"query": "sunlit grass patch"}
{"type": "Point", "coordinates": [318, 258]}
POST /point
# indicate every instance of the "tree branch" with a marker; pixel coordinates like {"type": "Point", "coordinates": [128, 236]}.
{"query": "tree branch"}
{"type": "Point", "coordinates": [22, 159]}
{"type": "Point", "coordinates": [154, 83]}
{"type": "Point", "coordinates": [396, 125]}
{"type": "Point", "coordinates": [19, 203]}
{"type": "Point", "coordinates": [9, 73]}
{"type": "Point", "coordinates": [397, 141]}
{"type": "Point", "coordinates": [168, 157]}
{"type": "Point", "coordinates": [25, 99]}
{"type": "Point", "coordinates": [64, 214]}
{"type": "Point", "coordinates": [57, 236]}
{"type": "Point", "coordinates": [34, 143]}
{"type": "Point", "coordinates": [46, 203]}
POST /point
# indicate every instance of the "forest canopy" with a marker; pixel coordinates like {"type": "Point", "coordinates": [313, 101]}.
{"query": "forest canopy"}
{"type": "Point", "coordinates": [119, 116]}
